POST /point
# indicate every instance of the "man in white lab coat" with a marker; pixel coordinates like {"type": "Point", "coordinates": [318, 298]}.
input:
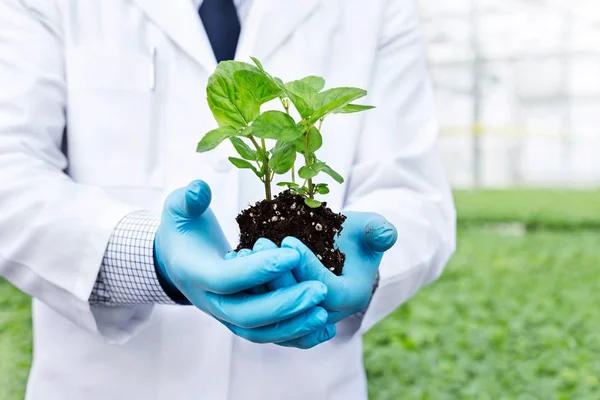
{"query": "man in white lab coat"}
{"type": "Point", "coordinates": [101, 106]}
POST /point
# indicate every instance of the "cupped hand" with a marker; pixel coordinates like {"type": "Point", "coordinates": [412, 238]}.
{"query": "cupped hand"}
{"type": "Point", "coordinates": [364, 239]}
{"type": "Point", "coordinates": [189, 251]}
{"type": "Point", "coordinates": [309, 339]}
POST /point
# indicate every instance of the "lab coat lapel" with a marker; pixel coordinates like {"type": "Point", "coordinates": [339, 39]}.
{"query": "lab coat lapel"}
{"type": "Point", "coordinates": [275, 21]}
{"type": "Point", "coordinates": [180, 21]}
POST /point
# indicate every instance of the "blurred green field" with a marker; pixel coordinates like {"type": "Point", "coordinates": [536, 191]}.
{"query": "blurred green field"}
{"type": "Point", "coordinates": [538, 209]}
{"type": "Point", "coordinates": [515, 315]}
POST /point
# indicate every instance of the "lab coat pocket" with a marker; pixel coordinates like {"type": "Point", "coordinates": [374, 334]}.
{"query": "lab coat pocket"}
{"type": "Point", "coordinates": [114, 126]}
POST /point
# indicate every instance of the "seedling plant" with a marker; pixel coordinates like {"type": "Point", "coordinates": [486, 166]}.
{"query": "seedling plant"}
{"type": "Point", "coordinates": [235, 93]}
{"type": "Point", "coordinates": [268, 143]}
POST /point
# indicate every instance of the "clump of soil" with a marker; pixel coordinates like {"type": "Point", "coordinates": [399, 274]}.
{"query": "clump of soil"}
{"type": "Point", "coordinates": [287, 215]}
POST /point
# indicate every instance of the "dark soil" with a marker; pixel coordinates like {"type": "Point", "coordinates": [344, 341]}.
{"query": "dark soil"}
{"type": "Point", "coordinates": [287, 215]}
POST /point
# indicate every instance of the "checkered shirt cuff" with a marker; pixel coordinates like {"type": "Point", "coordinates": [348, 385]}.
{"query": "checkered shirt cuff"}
{"type": "Point", "coordinates": [127, 275]}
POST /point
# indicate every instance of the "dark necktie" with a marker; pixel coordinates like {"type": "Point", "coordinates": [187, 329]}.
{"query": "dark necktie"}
{"type": "Point", "coordinates": [222, 26]}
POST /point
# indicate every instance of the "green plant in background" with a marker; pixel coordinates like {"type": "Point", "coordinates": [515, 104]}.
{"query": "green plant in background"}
{"type": "Point", "coordinates": [235, 93]}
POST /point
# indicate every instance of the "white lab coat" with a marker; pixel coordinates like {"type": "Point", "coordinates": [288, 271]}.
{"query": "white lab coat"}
{"type": "Point", "coordinates": [127, 78]}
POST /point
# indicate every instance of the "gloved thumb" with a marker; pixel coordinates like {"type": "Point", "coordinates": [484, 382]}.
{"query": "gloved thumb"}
{"type": "Point", "coordinates": [197, 198]}
{"type": "Point", "coordinates": [380, 234]}
{"type": "Point", "coordinates": [191, 201]}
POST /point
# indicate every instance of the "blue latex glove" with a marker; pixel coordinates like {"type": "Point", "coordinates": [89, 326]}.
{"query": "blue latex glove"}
{"type": "Point", "coordinates": [364, 239]}
{"type": "Point", "coordinates": [189, 249]}
{"type": "Point", "coordinates": [307, 341]}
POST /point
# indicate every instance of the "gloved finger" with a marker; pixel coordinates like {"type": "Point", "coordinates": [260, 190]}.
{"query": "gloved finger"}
{"type": "Point", "coordinates": [242, 273]}
{"type": "Point", "coordinates": [256, 289]}
{"type": "Point", "coordinates": [252, 311]}
{"type": "Point", "coordinates": [260, 245]}
{"type": "Point", "coordinates": [244, 252]}
{"type": "Point", "coordinates": [285, 280]}
{"type": "Point", "coordinates": [189, 202]}
{"type": "Point", "coordinates": [346, 293]}
{"type": "Point", "coordinates": [290, 329]}
{"type": "Point", "coordinates": [310, 268]}
{"type": "Point", "coordinates": [263, 244]}
{"type": "Point", "coordinates": [380, 234]}
{"type": "Point", "coordinates": [312, 339]}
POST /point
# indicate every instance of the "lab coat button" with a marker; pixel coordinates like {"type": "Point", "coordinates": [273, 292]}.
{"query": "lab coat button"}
{"type": "Point", "coordinates": [223, 165]}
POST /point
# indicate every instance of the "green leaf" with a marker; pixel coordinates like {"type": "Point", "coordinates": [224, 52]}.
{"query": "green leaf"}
{"type": "Point", "coordinates": [329, 171]}
{"type": "Point", "coordinates": [316, 82]}
{"type": "Point", "coordinates": [258, 64]}
{"type": "Point", "coordinates": [213, 138]}
{"type": "Point", "coordinates": [223, 99]}
{"type": "Point", "coordinates": [312, 203]}
{"type": "Point", "coordinates": [276, 125]}
{"type": "Point", "coordinates": [312, 170]}
{"type": "Point", "coordinates": [290, 185]}
{"type": "Point", "coordinates": [278, 82]}
{"type": "Point", "coordinates": [300, 104]}
{"type": "Point", "coordinates": [301, 191]}
{"type": "Point", "coordinates": [334, 99]}
{"type": "Point", "coordinates": [308, 171]}
{"type": "Point", "coordinates": [353, 108]}
{"type": "Point", "coordinates": [255, 86]}
{"type": "Point", "coordinates": [243, 164]}
{"type": "Point", "coordinates": [283, 156]}
{"type": "Point", "coordinates": [238, 162]}
{"type": "Point", "coordinates": [243, 149]}
{"type": "Point", "coordinates": [302, 96]}
{"type": "Point", "coordinates": [315, 141]}
{"type": "Point", "coordinates": [322, 188]}
{"type": "Point", "coordinates": [246, 131]}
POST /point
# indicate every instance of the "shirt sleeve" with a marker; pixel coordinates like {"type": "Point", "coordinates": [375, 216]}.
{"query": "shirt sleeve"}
{"type": "Point", "coordinates": [127, 275]}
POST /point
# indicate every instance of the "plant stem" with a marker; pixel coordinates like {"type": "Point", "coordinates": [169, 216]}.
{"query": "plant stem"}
{"type": "Point", "coordinates": [286, 106]}
{"type": "Point", "coordinates": [311, 193]}
{"type": "Point", "coordinates": [267, 182]}
{"type": "Point", "coordinates": [255, 143]}
{"type": "Point", "coordinates": [262, 150]}
{"type": "Point", "coordinates": [267, 171]}
{"type": "Point", "coordinates": [320, 124]}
